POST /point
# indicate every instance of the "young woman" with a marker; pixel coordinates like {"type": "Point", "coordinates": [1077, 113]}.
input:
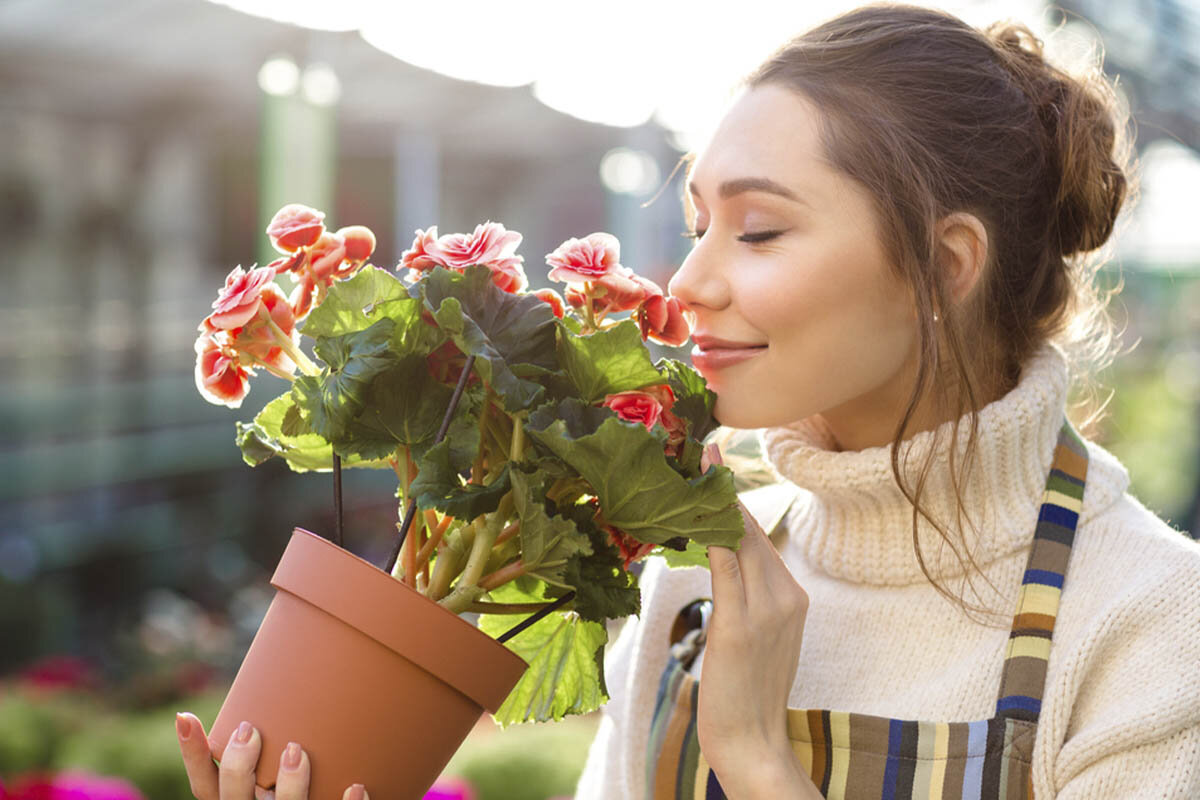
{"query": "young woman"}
{"type": "Point", "coordinates": [892, 225]}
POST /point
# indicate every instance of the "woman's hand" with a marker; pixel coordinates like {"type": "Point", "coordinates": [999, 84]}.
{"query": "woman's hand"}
{"type": "Point", "coordinates": [235, 779]}
{"type": "Point", "coordinates": [750, 658]}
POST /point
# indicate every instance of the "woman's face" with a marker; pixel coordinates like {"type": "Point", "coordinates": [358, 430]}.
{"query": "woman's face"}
{"type": "Point", "coordinates": [797, 309]}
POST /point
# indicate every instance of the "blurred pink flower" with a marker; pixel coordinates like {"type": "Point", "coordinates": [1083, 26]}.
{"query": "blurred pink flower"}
{"type": "Point", "coordinates": [327, 255]}
{"type": "Point", "coordinates": [238, 301]}
{"type": "Point", "coordinates": [295, 226]}
{"type": "Point", "coordinates": [360, 242]}
{"type": "Point", "coordinates": [72, 785]}
{"type": "Point", "coordinates": [450, 789]}
{"type": "Point", "coordinates": [490, 245]}
{"type": "Point", "coordinates": [59, 672]}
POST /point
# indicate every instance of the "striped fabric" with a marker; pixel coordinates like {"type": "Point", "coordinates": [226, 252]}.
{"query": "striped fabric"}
{"type": "Point", "coordinates": [858, 756]}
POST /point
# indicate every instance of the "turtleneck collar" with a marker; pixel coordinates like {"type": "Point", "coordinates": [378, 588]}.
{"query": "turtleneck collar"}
{"type": "Point", "coordinates": [854, 523]}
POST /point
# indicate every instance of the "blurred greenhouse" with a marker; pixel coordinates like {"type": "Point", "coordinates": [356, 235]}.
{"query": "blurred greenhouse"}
{"type": "Point", "coordinates": [147, 142]}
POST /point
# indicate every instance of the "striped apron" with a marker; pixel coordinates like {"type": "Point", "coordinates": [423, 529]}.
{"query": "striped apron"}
{"type": "Point", "coordinates": [858, 756]}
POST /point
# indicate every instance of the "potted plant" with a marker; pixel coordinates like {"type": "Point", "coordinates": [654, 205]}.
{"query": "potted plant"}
{"type": "Point", "coordinates": [538, 452]}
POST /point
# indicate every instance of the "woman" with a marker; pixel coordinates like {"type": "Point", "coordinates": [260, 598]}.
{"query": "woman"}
{"type": "Point", "coordinates": [891, 224]}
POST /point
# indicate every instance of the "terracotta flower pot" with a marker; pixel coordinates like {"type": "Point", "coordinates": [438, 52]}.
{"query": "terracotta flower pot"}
{"type": "Point", "coordinates": [379, 684]}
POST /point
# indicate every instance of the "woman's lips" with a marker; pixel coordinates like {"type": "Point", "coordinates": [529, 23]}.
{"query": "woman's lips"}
{"type": "Point", "coordinates": [714, 356]}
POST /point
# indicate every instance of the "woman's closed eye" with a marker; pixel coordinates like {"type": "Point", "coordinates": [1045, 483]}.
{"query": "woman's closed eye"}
{"type": "Point", "coordinates": [749, 238]}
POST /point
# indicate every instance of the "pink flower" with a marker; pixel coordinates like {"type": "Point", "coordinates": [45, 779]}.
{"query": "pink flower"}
{"type": "Point", "coordinates": [490, 245]}
{"type": "Point", "coordinates": [583, 260]}
{"type": "Point", "coordinates": [220, 376]}
{"type": "Point", "coordinates": [239, 300]}
{"type": "Point", "coordinates": [258, 340]}
{"type": "Point", "coordinates": [631, 549]}
{"type": "Point", "coordinates": [553, 298]}
{"type": "Point", "coordinates": [59, 672]}
{"type": "Point", "coordinates": [641, 405]}
{"type": "Point", "coordinates": [326, 256]}
{"type": "Point", "coordinates": [295, 226]}
{"type": "Point", "coordinates": [74, 785]}
{"type": "Point", "coordinates": [662, 319]}
{"type": "Point", "coordinates": [450, 789]}
{"type": "Point", "coordinates": [360, 242]}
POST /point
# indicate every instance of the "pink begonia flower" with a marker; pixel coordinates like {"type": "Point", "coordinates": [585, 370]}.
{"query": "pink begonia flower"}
{"type": "Point", "coordinates": [631, 549]}
{"type": "Point", "coordinates": [220, 376]}
{"type": "Point", "coordinates": [553, 299]}
{"type": "Point", "coordinates": [641, 405]}
{"type": "Point", "coordinates": [360, 242]}
{"type": "Point", "coordinates": [326, 256]}
{"type": "Point", "coordinates": [450, 789]}
{"type": "Point", "coordinates": [73, 785]}
{"type": "Point", "coordinates": [257, 339]}
{"type": "Point", "coordinates": [240, 298]}
{"type": "Point", "coordinates": [59, 672]}
{"type": "Point", "coordinates": [662, 319]}
{"type": "Point", "coordinates": [584, 260]}
{"type": "Point", "coordinates": [295, 226]}
{"type": "Point", "coordinates": [490, 245]}
{"type": "Point", "coordinates": [301, 300]}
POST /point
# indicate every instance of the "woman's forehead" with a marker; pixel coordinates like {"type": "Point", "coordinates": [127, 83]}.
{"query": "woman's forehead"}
{"type": "Point", "coordinates": [768, 132]}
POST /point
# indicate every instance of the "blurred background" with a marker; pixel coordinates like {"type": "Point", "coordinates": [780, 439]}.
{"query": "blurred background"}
{"type": "Point", "coordinates": [145, 144]}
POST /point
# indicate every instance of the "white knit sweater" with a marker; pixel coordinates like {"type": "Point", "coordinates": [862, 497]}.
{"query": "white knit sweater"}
{"type": "Point", "coordinates": [1121, 712]}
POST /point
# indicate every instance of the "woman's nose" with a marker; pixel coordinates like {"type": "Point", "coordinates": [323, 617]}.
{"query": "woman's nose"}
{"type": "Point", "coordinates": [698, 281]}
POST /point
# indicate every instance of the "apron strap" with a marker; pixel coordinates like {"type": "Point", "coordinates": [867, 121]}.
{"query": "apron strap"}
{"type": "Point", "coordinates": [1024, 678]}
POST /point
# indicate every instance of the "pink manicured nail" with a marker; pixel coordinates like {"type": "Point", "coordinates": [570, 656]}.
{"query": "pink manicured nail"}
{"type": "Point", "coordinates": [243, 733]}
{"type": "Point", "coordinates": [714, 454]}
{"type": "Point", "coordinates": [291, 756]}
{"type": "Point", "coordinates": [183, 726]}
{"type": "Point", "coordinates": [358, 792]}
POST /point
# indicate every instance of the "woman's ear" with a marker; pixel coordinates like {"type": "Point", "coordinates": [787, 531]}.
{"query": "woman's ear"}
{"type": "Point", "coordinates": [962, 253]}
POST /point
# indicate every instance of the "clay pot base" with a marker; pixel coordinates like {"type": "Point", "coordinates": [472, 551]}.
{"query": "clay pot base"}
{"type": "Point", "coordinates": [379, 684]}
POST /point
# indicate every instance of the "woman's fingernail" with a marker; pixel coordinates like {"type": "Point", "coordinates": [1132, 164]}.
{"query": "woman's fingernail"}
{"type": "Point", "coordinates": [291, 756]}
{"type": "Point", "coordinates": [714, 454]}
{"type": "Point", "coordinates": [356, 792]}
{"type": "Point", "coordinates": [183, 726]}
{"type": "Point", "coordinates": [243, 733]}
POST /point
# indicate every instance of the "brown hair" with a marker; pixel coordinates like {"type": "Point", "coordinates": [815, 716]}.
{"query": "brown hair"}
{"type": "Point", "coordinates": [933, 117]}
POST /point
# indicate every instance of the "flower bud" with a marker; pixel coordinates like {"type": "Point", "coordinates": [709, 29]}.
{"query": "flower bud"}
{"type": "Point", "coordinates": [295, 226]}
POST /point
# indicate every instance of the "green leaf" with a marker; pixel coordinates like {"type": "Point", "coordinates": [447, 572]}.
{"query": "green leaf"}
{"type": "Point", "coordinates": [439, 485]}
{"type": "Point", "coordinates": [694, 556]}
{"type": "Point", "coordinates": [329, 401]}
{"type": "Point", "coordinates": [358, 302]}
{"type": "Point", "coordinates": [546, 542]}
{"type": "Point", "coordinates": [265, 438]}
{"type": "Point", "coordinates": [565, 676]}
{"type": "Point", "coordinates": [577, 417]}
{"type": "Point", "coordinates": [638, 490]}
{"type": "Point", "coordinates": [694, 401]}
{"type": "Point", "coordinates": [501, 329]}
{"type": "Point", "coordinates": [603, 589]}
{"type": "Point", "coordinates": [608, 361]}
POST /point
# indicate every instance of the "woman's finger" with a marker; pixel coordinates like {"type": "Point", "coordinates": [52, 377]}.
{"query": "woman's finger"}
{"type": "Point", "coordinates": [197, 757]}
{"type": "Point", "coordinates": [294, 773]}
{"type": "Point", "coordinates": [236, 774]}
{"type": "Point", "coordinates": [727, 589]}
{"type": "Point", "coordinates": [356, 792]}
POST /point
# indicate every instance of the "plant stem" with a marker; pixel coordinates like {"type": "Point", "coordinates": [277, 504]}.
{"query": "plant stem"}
{"type": "Point", "coordinates": [516, 449]}
{"type": "Point", "coordinates": [508, 533]}
{"type": "Point", "coordinates": [303, 362]}
{"type": "Point", "coordinates": [437, 531]}
{"type": "Point", "coordinates": [276, 371]}
{"type": "Point", "coordinates": [503, 575]}
{"type": "Point", "coordinates": [449, 561]}
{"type": "Point", "coordinates": [477, 466]}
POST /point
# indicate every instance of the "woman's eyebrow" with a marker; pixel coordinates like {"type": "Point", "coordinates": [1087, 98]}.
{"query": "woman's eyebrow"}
{"type": "Point", "coordinates": [738, 185]}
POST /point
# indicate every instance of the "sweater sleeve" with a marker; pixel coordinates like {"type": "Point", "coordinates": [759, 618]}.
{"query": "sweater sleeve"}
{"type": "Point", "coordinates": [1128, 723]}
{"type": "Point", "coordinates": [1168, 769]}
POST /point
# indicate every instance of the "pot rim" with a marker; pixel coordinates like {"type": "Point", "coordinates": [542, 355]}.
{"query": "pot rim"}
{"type": "Point", "coordinates": [383, 608]}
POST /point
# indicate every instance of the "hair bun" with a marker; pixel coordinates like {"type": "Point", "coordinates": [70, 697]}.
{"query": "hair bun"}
{"type": "Point", "coordinates": [1085, 145]}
